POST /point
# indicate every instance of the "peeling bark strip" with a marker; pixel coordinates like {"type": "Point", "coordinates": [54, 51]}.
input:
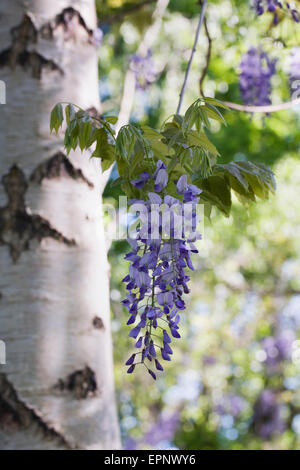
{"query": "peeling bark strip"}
{"type": "Point", "coordinates": [81, 383]}
{"type": "Point", "coordinates": [23, 35]}
{"type": "Point", "coordinates": [56, 166]}
{"type": "Point", "coordinates": [16, 415]}
{"type": "Point", "coordinates": [17, 226]}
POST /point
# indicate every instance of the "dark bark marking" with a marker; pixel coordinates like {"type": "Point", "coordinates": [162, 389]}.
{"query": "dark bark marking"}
{"type": "Point", "coordinates": [93, 112]}
{"type": "Point", "coordinates": [98, 323]}
{"type": "Point", "coordinates": [15, 415]}
{"type": "Point", "coordinates": [56, 166]}
{"type": "Point", "coordinates": [18, 54]}
{"type": "Point", "coordinates": [17, 226]}
{"type": "Point", "coordinates": [81, 384]}
{"type": "Point", "coordinates": [72, 25]}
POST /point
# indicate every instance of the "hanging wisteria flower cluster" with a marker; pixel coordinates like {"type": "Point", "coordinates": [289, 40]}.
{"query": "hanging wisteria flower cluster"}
{"type": "Point", "coordinates": [159, 258]}
{"type": "Point", "coordinates": [274, 6]}
{"type": "Point", "coordinates": [156, 168]}
{"type": "Point", "coordinates": [143, 69]}
{"type": "Point", "coordinates": [257, 70]}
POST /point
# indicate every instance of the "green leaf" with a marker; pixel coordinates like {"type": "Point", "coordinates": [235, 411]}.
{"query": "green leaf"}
{"type": "Point", "coordinates": [85, 128]}
{"type": "Point", "coordinates": [70, 113]}
{"type": "Point", "coordinates": [56, 118]}
{"type": "Point", "coordinates": [215, 102]}
{"type": "Point", "coordinates": [111, 119]}
{"type": "Point", "coordinates": [201, 140]}
{"type": "Point", "coordinates": [214, 113]}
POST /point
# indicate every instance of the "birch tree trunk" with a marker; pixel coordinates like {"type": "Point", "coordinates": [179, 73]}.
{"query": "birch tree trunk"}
{"type": "Point", "coordinates": [56, 389]}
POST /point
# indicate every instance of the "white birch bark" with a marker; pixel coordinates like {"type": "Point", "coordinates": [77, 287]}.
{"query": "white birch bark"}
{"type": "Point", "coordinates": [56, 389]}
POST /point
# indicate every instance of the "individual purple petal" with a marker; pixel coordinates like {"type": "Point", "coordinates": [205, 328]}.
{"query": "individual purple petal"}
{"type": "Point", "coordinates": [158, 365]}
{"type": "Point", "coordinates": [142, 323]}
{"type": "Point", "coordinates": [130, 360]}
{"type": "Point", "coordinates": [165, 356]}
{"type": "Point", "coordinates": [152, 349]}
{"type": "Point", "coordinates": [152, 374]}
{"type": "Point", "coordinates": [182, 184]}
{"type": "Point", "coordinates": [135, 332]}
{"type": "Point", "coordinates": [131, 319]}
{"type": "Point", "coordinates": [141, 180]}
{"type": "Point", "coordinates": [175, 333]}
{"type": "Point", "coordinates": [154, 198]}
{"type": "Point", "coordinates": [180, 304]}
{"type": "Point", "coordinates": [161, 180]}
{"type": "Point", "coordinates": [166, 337]}
{"type": "Point", "coordinates": [167, 348]}
{"type": "Point", "coordinates": [131, 369]}
{"type": "Point", "coordinates": [139, 342]}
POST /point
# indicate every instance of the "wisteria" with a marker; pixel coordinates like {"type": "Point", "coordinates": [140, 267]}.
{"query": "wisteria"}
{"type": "Point", "coordinates": [159, 258]}
{"type": "Point", "coordinates": [274, 6]}
{"type": "Point", "coordinates": [257, 70]}
{"type": "Point", "coordinates": [143, 69]}
{"type": "Point", "coordinates": [268, 418]}
{"type": "Point", "coordinates": [278, 348]}
{"type": "Point", "coordinates": [295, 72]}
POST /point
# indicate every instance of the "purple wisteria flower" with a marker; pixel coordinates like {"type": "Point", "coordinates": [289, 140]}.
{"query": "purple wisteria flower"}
{"type": "Point", "coordinates": [157, 276]}
{"type": "Point", "coordinates": [278, 348]}
{"type": "Point", "coordinates": [295, 73]}
{"type": "Point", "coordinates": [231, 404]}
{"type": "Point", "coordinates": [163, 430]}
{"type": "Point", "coordinates": [274, 6]}
{"type": "Point", "coordinates": [143, 69]}
{"type": "Point", "coordinates": [141, 180]}
{"type": "Point", "coordinates": [257, 70]}
{"type": "Point", "coordinates": [268, 416]}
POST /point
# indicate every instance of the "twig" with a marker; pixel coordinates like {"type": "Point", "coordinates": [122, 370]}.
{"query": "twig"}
{"type": "Point", "coordinates": [208, 56]}
{"type": "Point", "coordinates": [272, 108]}
{"type": "Point", "coordinates": [191, 57]}
{"type": "Point", "coordinates": [130, 80]}
{"type": "Point", "coordinates": [126, 11]}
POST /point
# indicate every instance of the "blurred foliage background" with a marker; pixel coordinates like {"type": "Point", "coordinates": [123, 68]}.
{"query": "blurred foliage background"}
{"type": "Point", "coordinates": [234, 382]}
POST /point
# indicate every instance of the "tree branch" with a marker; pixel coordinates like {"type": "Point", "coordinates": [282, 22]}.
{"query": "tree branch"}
{"type": "Point", "coordinates": [262, 109]}
{"type": "Point", "coordinates": [191, 57]}
{"type": "Point", "coordinates": [208, 56]}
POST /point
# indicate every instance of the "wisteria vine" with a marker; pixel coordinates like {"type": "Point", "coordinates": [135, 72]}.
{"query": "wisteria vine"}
{"type": "Point", "coordinates": [159, 258]}
{"type": "Point", "coordinates": [274, 7]}
{"type": "Point", "coordinates": [165, 171]}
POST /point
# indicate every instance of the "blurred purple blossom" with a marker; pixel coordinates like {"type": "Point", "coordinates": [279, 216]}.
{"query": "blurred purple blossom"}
{"type": "Point", "coordinates": [273, 6]}
{"type": "Point", "coordinates": [130, 444]}
{"type": "Point", "coordinates": [163, 430]}
{"type": "Point", "coordinates": [143, 69]}
{"type": "Point", "coordinates": [232, 405]}
{"type": "Point", "coordinates": [278, 348]}
{"type": "Point", "coordinates": [268, 415]}
{"type": "Point", "coordinates": [209, 360]}
{"type": "Point", "coordinates": [257, 70]}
